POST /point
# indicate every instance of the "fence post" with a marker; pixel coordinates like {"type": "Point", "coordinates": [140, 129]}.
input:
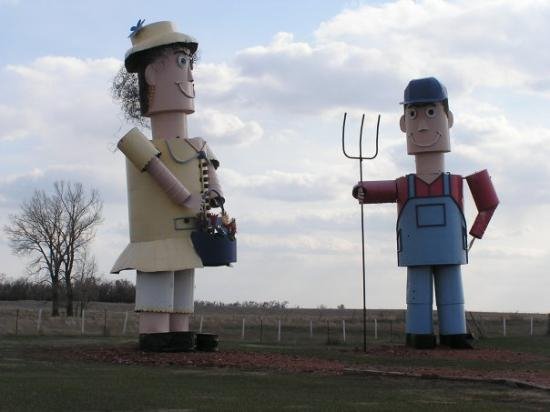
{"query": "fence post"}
{"type": "Point", "coordinates": [279, 331]}
{"type": "Point", "coordinates": [328, 333]}
{"type": "Point", "coordinates": [531, 331]}
{"type": "Point", "coordinates": [261, 330]}
{"type": "Point", "coordinates": [125, 324]}
{"type": "Point", "coordinates": [200, 325]}
{"type": "Point", "coordinates": [375, 328]}
{"type": "Point", "coordinates": [391, 330]}
{"type": "Point", "coordinates": [503, 326]}
{"type": "Point", "coordinates": [311, 329]}
{"type": "Point", "coordinates": [82, 321]}
{"type": "Point", "coordinates": [344, 330]}
{"type": "Point", "coordinates": [39, 321]}
{"type": "Point", "coordinates": [17, 322]}
{"type": "Point", "coordinates": [242, 331]}
{"type": "Point", "coordinates": [105, 323]}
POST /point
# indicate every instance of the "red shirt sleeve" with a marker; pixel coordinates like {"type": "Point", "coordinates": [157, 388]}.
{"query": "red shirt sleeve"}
{"type": "Point", "coordinates": [378, 191]}
{"type": "Point", "coordinates": [485, 198]}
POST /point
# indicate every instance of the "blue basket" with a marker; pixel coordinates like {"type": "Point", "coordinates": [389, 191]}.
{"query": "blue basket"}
{"type": "Point", "coordinates": [214, 249]}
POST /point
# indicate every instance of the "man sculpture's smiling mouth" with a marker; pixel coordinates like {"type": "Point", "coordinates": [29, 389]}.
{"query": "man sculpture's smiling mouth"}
{"type": "Point", "coordinates": [437, 136]}
{"type": "Point", "coordinates": [187, 88]}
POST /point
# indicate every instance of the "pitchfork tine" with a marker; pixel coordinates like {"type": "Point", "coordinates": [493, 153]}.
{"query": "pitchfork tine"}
{"type": "Point", "coordinates": [360, 157]}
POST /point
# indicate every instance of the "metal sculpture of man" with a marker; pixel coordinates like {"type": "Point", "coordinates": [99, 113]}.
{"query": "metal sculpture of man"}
{"type": "Point", "coordinates": [172, 183]}
{"type": "Point", "coordinates": [431, 229]}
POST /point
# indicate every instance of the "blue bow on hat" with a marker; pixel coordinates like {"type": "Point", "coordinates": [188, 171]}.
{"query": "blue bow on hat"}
{"type": "Point", "coordinates": [134, 29]}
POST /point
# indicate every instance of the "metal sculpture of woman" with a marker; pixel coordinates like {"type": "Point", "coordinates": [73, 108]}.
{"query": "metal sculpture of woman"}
{"type": "Point", "coordinates": [171, 180]}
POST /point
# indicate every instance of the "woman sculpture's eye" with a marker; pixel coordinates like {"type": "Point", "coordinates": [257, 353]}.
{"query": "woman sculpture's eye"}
{"type": "Point", "coordinates": [182, 60]}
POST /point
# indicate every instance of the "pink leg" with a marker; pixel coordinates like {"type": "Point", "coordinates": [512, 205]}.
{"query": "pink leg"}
{"type": "Point", "coordinates": [179, 322]}
{"type": "Point", "coordinates": [153, 322]}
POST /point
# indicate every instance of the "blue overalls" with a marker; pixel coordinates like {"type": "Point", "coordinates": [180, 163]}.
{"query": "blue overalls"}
{"type": "Point", "coordinates": [432, 242]}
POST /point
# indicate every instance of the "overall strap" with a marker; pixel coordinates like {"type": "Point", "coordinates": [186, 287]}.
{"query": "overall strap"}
{"type": "Point", "coordinates": [411, 185]}
{"type": "Point", "coordinates": [447, 184]}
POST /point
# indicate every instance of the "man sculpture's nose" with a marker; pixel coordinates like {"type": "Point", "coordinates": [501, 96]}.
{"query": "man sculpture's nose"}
{"type": "Point", "coordinates": [422, 125]}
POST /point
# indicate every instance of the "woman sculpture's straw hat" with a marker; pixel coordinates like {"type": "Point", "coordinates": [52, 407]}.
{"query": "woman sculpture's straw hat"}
{"type": "Point", "coordinates": [153, 35]}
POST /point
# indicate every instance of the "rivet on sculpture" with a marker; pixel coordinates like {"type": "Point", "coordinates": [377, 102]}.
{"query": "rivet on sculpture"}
{"type": "Point", "coordinates": [172, 186]}
{"type": "Point", "coordinates": [431, 230]}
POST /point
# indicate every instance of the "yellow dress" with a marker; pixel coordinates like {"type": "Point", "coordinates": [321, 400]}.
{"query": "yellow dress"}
{"type": "Point", "coordinates": [160, 230]}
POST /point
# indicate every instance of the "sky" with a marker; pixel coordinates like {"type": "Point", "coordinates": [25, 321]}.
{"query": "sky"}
{"type": "Point", "coordinates": [273, 81]}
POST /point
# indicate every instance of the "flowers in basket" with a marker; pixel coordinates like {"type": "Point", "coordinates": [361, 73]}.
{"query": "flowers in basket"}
{"type": "Point", "coordinates": [215, 224]}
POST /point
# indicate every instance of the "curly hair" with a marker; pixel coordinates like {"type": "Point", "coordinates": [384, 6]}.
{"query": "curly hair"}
{"type": "Point", "coordinates": [125, 91]}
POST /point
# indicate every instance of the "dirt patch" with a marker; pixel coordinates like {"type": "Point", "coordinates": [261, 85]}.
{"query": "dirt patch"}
{"type": "Point", "coordinates": [223, 359]}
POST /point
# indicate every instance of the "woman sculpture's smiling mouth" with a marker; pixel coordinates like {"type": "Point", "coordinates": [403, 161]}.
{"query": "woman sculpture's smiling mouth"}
{"type": "Point", "coordinates": [187, 88]}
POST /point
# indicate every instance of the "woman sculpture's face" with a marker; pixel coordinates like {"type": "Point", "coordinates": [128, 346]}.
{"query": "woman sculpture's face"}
{"type": "Point", "coordinates": [171, 80]}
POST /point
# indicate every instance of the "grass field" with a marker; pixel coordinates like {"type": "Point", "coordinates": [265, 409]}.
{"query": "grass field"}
{"type": "Point", "coordinates": [34, 378]}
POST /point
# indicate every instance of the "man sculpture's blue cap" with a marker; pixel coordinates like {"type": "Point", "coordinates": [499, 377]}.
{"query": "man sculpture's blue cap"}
{"type": "Point", "coordinates": [427, 90]}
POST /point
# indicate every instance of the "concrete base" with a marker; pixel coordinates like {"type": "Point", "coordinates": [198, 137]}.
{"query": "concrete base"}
{"type": "Point", "coordinates": [167, 342]}
{"type": "Point", "coordinates": [421, 341]}
{"type": "Point", "coordinates": [458, 341]}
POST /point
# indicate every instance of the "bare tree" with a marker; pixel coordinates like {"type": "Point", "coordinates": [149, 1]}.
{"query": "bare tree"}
{"type": "Point", "coordinates": [81, 215]}
{"type": "Point", "coordinates": [36, 232]}
{"type": "Point", "coordinates": [53, 230]}
{"type": "Point", "coordinates": [85, 280]}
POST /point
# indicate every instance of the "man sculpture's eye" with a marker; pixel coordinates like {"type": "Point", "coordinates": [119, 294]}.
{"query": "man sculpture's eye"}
{"type": "Point", "coordinates": [182, 61]}
{"type": "Point", "coordinates": [411, 113]}
{"type": "Point", "coordinates": [430, 112]}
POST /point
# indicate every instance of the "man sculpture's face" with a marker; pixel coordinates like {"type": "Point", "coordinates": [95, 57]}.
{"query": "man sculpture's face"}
{"type": "Point", "coordinates": [170, 80]}
{"type": "Point", "coordinates": [427, 128]}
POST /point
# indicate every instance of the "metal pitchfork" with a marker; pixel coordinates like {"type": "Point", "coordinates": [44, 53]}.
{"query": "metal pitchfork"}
{"type": "Point", "coordinates": [361, 158]}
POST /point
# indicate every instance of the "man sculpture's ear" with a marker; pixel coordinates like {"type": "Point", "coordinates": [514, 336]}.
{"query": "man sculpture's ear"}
{"type": "Point", "coordinates": [402, 124]}
{"type": "Point", "coordinates": [451, 119]}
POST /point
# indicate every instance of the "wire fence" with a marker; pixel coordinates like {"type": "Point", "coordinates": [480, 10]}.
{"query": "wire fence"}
{"type": "Point", "coordinates": [281, 327]}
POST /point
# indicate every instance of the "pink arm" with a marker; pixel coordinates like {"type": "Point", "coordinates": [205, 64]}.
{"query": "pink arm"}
{"type": "Point", "coordinates": [486, 200]}
{"type": "Point", "coordinates": [167, 181]}
{"type": "Point", "coordinates": [378, 191]}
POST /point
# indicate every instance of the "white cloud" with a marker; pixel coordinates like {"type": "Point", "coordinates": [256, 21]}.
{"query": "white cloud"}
{"type": "Point", "coordinates": [473, 43]}
{"type": "Point", "coordinates": [305, 78]}
{"type": "Point", "coordinates": [364, 57]}
{"type": "Point", "coordinates": [286, 186]}
{"type": "Point", "coordinates": [225, 128]}
{"type": "Point", "coordinates": [52, 89]}
{"type": "Point", "coordinates": [299, 244]}
{"type": "Point", "coordinates": [17, 187]}
{"type": "Point", "coordinates": [215, 79]}
{"type": "Point", "coordinates": [282, 44]}
{"type": "Point", "coordinates": [15, 123]}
